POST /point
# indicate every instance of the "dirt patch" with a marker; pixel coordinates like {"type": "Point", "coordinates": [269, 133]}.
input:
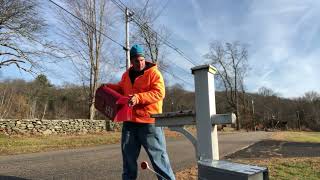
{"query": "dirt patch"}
{"type": "Point", "coordinates": [188, 174]}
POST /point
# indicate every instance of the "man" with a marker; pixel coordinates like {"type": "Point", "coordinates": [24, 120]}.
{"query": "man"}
{"type": "Point", "coordinates": [144, 84]}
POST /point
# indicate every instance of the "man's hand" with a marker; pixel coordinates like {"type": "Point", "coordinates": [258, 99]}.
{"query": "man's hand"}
{"type": "Point", "coordinates": [102, 85]}
{"type": "Point", "coordinates": [133, 100]}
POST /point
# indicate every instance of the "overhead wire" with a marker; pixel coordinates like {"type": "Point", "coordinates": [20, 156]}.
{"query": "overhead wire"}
{"type": "Point", "coordinates": [123, 7]}
{"type": "Point", "coordinates": [83, 21]}
{"type": "Point", "coordinates": [144, 26]}
{"type": "Point", "coordinates": [163, 69]}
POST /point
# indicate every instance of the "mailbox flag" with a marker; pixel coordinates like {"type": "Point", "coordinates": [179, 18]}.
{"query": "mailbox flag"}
{"type": "Point", "coordinates": [112, 104]}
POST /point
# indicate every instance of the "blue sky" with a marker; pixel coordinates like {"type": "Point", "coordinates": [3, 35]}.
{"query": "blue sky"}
{"type": "Point", "coordinates": [282, 38]}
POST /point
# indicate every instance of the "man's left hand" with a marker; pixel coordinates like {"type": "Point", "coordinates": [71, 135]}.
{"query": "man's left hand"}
{"type": "Point", "coordinates": [133, 100]}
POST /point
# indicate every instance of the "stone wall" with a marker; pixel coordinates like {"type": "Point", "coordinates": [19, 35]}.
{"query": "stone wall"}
{"type": "Point", "coordinates": [46, 127]}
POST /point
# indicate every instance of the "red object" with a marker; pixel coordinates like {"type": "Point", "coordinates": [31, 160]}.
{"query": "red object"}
{"type": "Point", "coordinates": [112, 104]}
{"type": "Point", "coordinates": [144, 165]}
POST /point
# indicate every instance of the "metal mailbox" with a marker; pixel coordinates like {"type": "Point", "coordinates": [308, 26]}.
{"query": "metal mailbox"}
{"type": "Point", "coordinates": [112, 104]}
{"type": "Point", "coordinates": [221, 169]}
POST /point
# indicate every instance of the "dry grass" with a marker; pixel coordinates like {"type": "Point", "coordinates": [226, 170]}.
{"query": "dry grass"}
{"type": "Point", "coordinates": [279, 168]}
{"type": "Point", "coordinates": [188, 174]}
{"type": "Point", "coordinates": [19, 144]}
{"type": "Point", "coordinates": [294, 136]}
{"type": "Point", "coordinates": [28, 144]}
{"type": "Point", "coordinates": [289, 168]}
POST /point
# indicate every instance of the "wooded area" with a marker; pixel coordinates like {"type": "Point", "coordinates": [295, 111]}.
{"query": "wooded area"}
{"type": "Point", "coordinates": [40, 99]}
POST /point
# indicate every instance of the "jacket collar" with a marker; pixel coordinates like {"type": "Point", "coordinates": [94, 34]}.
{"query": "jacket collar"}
{"type": "Point", "coordinates": [149, 66]}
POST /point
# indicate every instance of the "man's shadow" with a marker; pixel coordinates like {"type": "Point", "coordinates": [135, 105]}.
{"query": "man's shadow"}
{"type": "Point", "coordinates": [11, 178]}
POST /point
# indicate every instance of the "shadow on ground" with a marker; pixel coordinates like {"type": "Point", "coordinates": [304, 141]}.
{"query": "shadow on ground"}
{"type": "Point", "coordinates": [11, 178]}
{"type": "Point", "coordinates": [272, 148]}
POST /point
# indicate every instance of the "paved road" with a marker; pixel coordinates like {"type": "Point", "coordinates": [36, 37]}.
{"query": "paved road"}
{"type": "Point", "coordinates": [104, 162]}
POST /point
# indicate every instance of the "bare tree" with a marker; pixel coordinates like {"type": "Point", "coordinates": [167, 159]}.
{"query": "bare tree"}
{"type": "Point", "coordinates": [22, 40]}
{"type": "Point", "coordinates": [311, 96]}
{"type": "Point", "coordinates": [232, 65]}
{"type": "Point", "coordinates": [86, 41]}
{"type": "Point", "coordinates": [264, 91]}
{"type": "Point", "coordinates": [5, 101]}
{"type": "Point", "coordinates": [148, 33]}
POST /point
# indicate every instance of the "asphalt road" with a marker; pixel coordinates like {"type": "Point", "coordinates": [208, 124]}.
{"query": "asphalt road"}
{"type": "Point", "coordinates": [105, 162]}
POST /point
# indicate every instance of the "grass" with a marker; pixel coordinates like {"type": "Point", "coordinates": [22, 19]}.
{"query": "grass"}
{"type": "Point", "coordinates": [292, 168]}
{"type": "Point", "coordinates": [18, 144]}
{"type": "Point", "coordinates": [289, 168]}
{"type": "Point", "coordinates": [298, 168]}
{"type": "Point", "coordinates": [311, 137]}
{"type": "Point", "coordinates": [279, 168]}
{"type": "Point", "coordinates": [29, 144]}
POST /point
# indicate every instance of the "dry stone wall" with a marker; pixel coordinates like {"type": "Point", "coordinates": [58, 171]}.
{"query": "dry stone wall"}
{"type": "Point", "coordinates": [47, 127]}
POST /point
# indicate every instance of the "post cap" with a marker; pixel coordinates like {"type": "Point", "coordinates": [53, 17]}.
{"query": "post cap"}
{"type": "Point", "coordinates": [207, 67]}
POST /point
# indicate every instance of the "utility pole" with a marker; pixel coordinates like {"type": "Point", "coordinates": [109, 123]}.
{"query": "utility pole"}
{"type": "Point", "coordinates": [252, 102]}
{"type": "Point", "coordinates": [238, 124]}
{"type": "Point", "coordinates": [254, 123]}
{"type": "Point", "coordinates": [298, 118]}
{"type": "Point", "coordinates": [252, 111]}
{"type": "Point", "coordinates": [128, 15]}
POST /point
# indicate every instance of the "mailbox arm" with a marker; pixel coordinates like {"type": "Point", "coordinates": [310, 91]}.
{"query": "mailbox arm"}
{"type": "Point", "coordinates": [187, 134]}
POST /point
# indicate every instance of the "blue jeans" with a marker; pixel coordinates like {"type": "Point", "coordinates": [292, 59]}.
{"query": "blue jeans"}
{"type": "Point", "coordinates": [152, 139]}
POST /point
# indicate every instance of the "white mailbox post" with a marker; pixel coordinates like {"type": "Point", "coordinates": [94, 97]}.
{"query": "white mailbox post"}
{"type": "Point", "coordinates": [205, 108]}
{"type": "Point", "coordinates": [206, 121]}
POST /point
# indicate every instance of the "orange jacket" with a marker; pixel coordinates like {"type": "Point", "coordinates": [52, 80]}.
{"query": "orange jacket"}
{"type": "Point", "coordinates": [149, 90]}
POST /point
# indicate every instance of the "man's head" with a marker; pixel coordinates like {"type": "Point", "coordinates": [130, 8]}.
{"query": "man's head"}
{"type": "Point", "coordinates": [137, 57]}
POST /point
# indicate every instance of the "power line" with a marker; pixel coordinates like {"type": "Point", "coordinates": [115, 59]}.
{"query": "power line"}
{"type": "Point", "coordinates": [166, 42]}
{"type": "Point", "coordinates": [123, 3]}
{"type": "Point", "coordinates": [118, 5]}
{"type": "Point", "coordinates": [148, 28]}
{"type": "Point", "coordinates": [123, 9]}
{"type": "Point", "coordinates": [160, 12]}
{"type": "Point", "coordinates": [175, 76]}
{"type": "Point", "coordinates": [88, 24]}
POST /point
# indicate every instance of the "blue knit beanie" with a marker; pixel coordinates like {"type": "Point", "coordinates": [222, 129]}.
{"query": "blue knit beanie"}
{"type": "Point", "coordinates": [136, 50]}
